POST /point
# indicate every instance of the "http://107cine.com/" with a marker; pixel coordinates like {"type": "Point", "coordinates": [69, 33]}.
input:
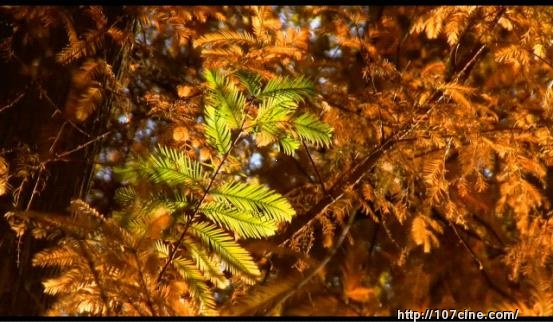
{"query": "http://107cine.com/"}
{"type": "Point", "coordinates": [451, 314]}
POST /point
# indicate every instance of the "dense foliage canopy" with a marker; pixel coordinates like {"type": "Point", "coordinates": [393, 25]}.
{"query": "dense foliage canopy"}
{"type": "Point", "coordinates": [275, 160]}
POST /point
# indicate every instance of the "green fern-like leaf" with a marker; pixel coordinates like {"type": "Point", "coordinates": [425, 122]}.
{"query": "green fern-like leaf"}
{"type": "Point", "coordinates": [288, 145]}
{"type": "Point", "coordinates": [196, 283]}
{"type": "Point", "coordinates": [275, 109]}
{"type": "Point", "coordinates": [216, 130]}
{"type": "Point", "coordinates": [125, 195]}
{"type": "Point", "coordinates": [232, 109]}
{"type": "Point", "coordinates": [174, 201]}
{"type": "Point", "coordinates": [235, 258]}
{"type": "Point", "coordinates": [272, 119]}
{"type": "Point", "coordinates": [226, 98]}
{"type": "Point", "coordinates": [172, 167]}
{"type": "Point", "coordinates": [242, 223]}
{"type": "Point", "coordinates": [251, 81]}
{"type": "Point", "coordinates": [206, 263]}
{"type": "Point", "coordinates": [138, 210]}
{"type": "Point", "coordinates": [309, 128]}
{"type": "Point", "coordinates": [255, 198]}
{"type": "Point", "coordinates": [138, 218]}
{"type": "Point", "coordinates": [296, 89]}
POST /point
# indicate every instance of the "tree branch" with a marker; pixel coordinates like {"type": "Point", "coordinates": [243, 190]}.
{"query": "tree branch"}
{"type": "Point", "coordinates": [143, 282]}
{"type": "Point", "coordinates": [323, 263]}
{"type": "Point", "coordinates": [475, 258]}
{"type": "Point", "coordinates": [173, 252]}
{"type": "Point", "coordinates": [319, 178]}
{"type": "Point", "coordinates": [96, 276]}
{"type": "Point", "coordinates": [13, 102]}
{"type": "Point", "coordinates": [359, 171]}
{"type": "Point", "coordinates": [84, 145]}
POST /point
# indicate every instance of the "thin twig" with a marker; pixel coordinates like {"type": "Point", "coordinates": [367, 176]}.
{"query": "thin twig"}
{"type": "Point", "coordinates": [58, 136]}
{"type": "Point", "coordinates": [374, 238]}
{"type": "Point", "coordinates": [495, 287]}
{"type": "Point", "coordinates": [13, 102]}
{"type": "Point", "coordinates": [479, 263]}
{"type": "Point", "coordinates": [381, 125]}
{"type": "Point", "coordinates": [466, 246]}
{"type": "Point", "coordinates": [389, 233]}
{"type": "Point", "coordinates": [28, 207]}
{"type": "Point", "coordinates": [470, 63]}
{"type": "Point", "coordinates": [143, 282]}
{"type": "Point", "coordinates": [84, 145]}
{"type": "Point", "coordinates": [489, 228]}
{"type": "Point", "coordinates": [323, 263]}
{"type": "Point", "coordinates": [44, 94]}
{"type": "Point", "coordinates": [35, 187]}
{"type": "Point", "coordinates": [473, 234]}
{"type": "Point", "coordinates": [301, 169]}
{"type": "Point", "coordinates": [321, 182]}
{"type": "Point", "coordinates": [531, 52]}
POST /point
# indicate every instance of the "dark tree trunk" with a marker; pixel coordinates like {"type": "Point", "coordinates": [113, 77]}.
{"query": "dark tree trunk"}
{"type": "Point", "coordinates": [33, 94]}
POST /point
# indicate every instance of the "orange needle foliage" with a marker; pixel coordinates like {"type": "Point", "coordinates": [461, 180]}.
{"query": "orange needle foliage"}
{"type": "Point", "coordinates": [441, 148]}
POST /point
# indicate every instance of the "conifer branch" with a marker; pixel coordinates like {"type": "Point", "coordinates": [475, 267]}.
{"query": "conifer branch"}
{"type": "Point", "coordinates": [194, 213]}
{"type": "Point", "coordinates": [96, 276]}
{"type": "Point", "coordinates": [142, 281]}
{"type": "Point", "coordinates": [358, 172]}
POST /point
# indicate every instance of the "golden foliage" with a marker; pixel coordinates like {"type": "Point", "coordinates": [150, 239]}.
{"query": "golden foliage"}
{"type": "Point", "coordinates": [105, 268]}
{"type": "Point", "coordinates": [4, 176]}
{"type": "Point", "coordinates": [90, 41]}
{"type": "Point", "coordinates": [540, 300]}
{"type": "Point", "coordinates": [262, 296]}
{"type": "Point", "coordinates": [268, 45]}
{"type": "Point", "coordinates": [442, 136]}
{"type": "Point", "coordinates": [423, 232]}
